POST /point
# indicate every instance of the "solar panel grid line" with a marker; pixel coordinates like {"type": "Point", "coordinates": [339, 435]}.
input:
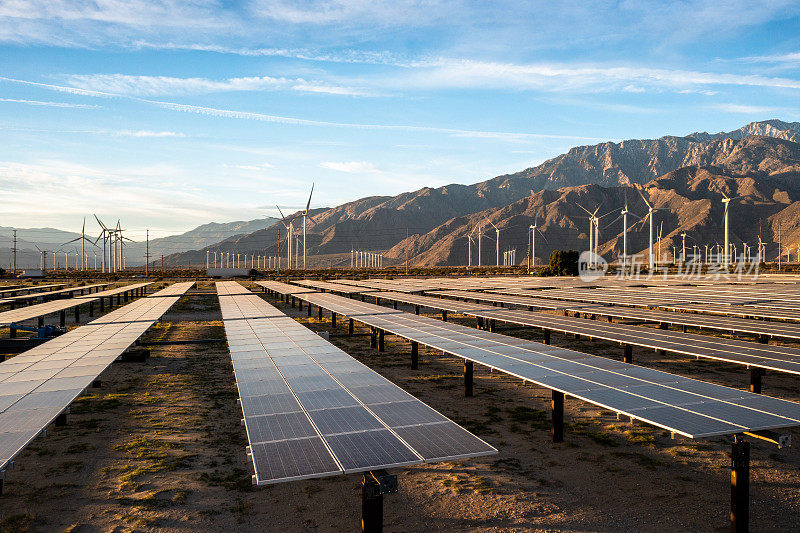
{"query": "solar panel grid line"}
{"type": "Point", "coordinates": [50, 294]}
{"type": "Point", "coordinates": [53, 306]}
{"type": "Point", "coordinates": [364, 405]}
{"type": "Point", "coordinates": [320, 472]}
{"type": "Point", "coordinates": [677, 305]}
{"type": "Point", "coordinates": [12, 440]}
{"type": "Point", "coordinates": [773, 421]}
{"type": "Point", "coordinates": [784, 359]}
{"type": "Point", "coordinates": [700, 320]}
{"type": "Point", "coordinates": [338, 427]}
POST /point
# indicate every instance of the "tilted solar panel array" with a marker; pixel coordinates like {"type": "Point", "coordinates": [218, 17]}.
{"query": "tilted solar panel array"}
{"type": "Point", "coordinates": [50, 294]}
{"type": "Point", "coordinates": [311, 410]}
{"type": "Point", "coordinates": [785, 330]}
{"type": "Point", "coordinates": [685, 406]}
{"type": "Point", "coordinates": [37, 385]}
{"type": "Point", "coordinates": [771, 357]}
{"type": "Point", "coordinates": [37, 310]}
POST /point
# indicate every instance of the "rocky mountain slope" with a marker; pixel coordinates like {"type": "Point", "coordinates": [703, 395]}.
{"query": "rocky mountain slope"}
{"type": "Point", "coordinates": [436, 218]}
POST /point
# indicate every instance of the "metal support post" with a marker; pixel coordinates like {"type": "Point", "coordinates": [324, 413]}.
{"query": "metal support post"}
{"type": "Point", "coordinates": [350, 327]}
{"type": "Point", "coordinates": [62, 318]}
{"type": "Point", "coordinates": [374, 485]}
{"type": "Point", "coordinates": [628, 357]}
{"type": "Point", "coordinates": [444, 315]}
{"type": "Point", "coordinates": [381, 346]}
{"type": "Point", "coordinates": [468, 378]}
{"type": "Point", "coordinates": [333, 320]}
{"type": "Point", "coordinates": [546, 336]}
{"type": "Point", "coordinates": [414, 355]}
{"type": "Point", "coordinates": [740, 485]}
{"type": "Point", "coordinates": [319, 314]}
{"type": "Point", "coordinates": [557, 405]}
{"type": "Point", "coordinates": [755, 379]}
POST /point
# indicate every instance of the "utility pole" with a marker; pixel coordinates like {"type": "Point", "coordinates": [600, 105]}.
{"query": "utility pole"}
{"type": "Point", "coordinates": [780, 247]}
{"type": "Point", "coordinates": [14, 250]}
{"type": "Point", "coordinates": [162, 265]}
{"type": "Point", "coordinates": [147, 254]}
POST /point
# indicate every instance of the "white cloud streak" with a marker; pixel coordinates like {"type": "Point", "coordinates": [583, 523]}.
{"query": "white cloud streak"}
{"type": "Point", "coordinates": [49, 104]}
{"type": "Point", "coordinates": [123, 84]}
{"type": "Point", "coordinates": [351, 167]}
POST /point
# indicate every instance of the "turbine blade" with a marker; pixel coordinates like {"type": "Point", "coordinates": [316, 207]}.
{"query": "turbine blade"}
{"type": "Point", "coordinates": [645, 199]}
{"type": "Point", "coordinates": [308, 205]}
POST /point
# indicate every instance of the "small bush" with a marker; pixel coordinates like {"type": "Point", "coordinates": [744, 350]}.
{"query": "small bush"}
{"type": "Point", "coordinates": [562, 263]}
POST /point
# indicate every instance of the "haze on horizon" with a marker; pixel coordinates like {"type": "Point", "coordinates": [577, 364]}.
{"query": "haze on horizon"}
{"type": "Point", "coordinates": [170, 114]}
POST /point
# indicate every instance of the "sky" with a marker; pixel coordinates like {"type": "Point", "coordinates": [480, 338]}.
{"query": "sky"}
{"type": "Point", "coordinates": [169, 114]}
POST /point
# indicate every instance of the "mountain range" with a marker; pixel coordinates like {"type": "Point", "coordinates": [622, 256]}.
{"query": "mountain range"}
{"type": "Point", "coordinates": [683, 177]}
{"type": "Point", "coordinates": [49, 239]}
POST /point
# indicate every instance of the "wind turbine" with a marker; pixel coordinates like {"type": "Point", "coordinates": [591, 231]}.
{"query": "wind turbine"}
{"type": "Point", "coordinates": [105, 234]}
{"type": "Point", "coordinates": [305, 215]}
{"type": "Point", "coordinates": [624, 216]}
{"type": "Point", "coordinates": [726, 202]}
{"type": "Point", "coordinates": [683, 249]}
{"type": "Point", "coordinates": [83, 240]}
{"type": "Point", "coordinates": [650, 210]}
{"type": "Point", "coordinates": [534, 229]}
{"type": "Point", "coordinates": [289, 233]}
{"type": "Point", "coordinates": [497, 240]}
{"type": "Point", "coordinates": [592, 230]}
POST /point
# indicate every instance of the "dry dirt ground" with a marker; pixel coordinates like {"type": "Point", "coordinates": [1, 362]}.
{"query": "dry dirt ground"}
{"type": "Point", "coordinates": [160, 447]}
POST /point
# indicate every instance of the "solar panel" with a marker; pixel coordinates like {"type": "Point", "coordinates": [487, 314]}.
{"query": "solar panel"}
{"type": "Point", "coordinates": [311, 410]}
{"type": "Point", "coordinates": [780, 358]}
{"type": "Point", "coordinates": [54, 306]}
{"type": "Point", "coordinates": [684, 406]}
{"type": "Point", "coordinates": [50, 294]}
{"type": "Point", "coordinates": [740, 325]}
{"type": "Point", "coordinates": [37, 385]}
{"type": "Point", "coordinates": [12, 289]}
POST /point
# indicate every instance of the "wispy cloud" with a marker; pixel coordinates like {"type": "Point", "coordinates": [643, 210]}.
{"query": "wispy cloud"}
{"type": "Point", "coordinates": [352, 167]}
{"type": "Point", "coordinates": [748, 109]}
{"type": "Point", "coordinates": [793, 57]}
{"type": "Point", "coordinates": [124, 84]}
{"type": "Point", "coordinates": [49, 104]}
{"type": "Point", "coordinates": [146, 133]}
{"type": "Point", "coordinates": [227, 113]}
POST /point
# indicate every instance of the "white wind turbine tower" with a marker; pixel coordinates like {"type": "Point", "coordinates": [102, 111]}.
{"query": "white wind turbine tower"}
{"type": "Point", "coordinates": [624, 216]}
{"type": "Point", "coordinates": [650, 210]}
{"type": "Point", "coordinates": [594, 232]}
{"type": "Point", "coordinates": [305, 216]}
{"type": "Point", "coordinates": [105, 234]}
{"type": "Point", "coordinates": [532, 256]}
{"type": "Point", "coordinates": [83, 240]}
{"type": "Point", "coordinates": [726, 202]}
{"type": "Point", "coordinates": [289, 233]}
{"type": "Point", "coordinates": [121, 239]}
{"type": "Point", "coordinates": [497, 239]}
{"type": "Point", "coordinates": [683, 248]}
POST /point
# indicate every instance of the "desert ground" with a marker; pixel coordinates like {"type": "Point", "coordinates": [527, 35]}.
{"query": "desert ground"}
{"type": "Point", "coordinates": [160, 447]}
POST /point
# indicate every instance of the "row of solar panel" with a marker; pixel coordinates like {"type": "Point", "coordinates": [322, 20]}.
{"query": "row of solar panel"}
{"type": "Point", "coordinates": [37, 385]}
{"type": "Point", "coordinates": [312, 410]}
{"type": "Point", "coordinates": [689, 407]}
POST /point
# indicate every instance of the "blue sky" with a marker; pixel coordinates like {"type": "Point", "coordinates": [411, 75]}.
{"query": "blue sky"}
{"type": "Point", "coordinates": [169, 114]}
